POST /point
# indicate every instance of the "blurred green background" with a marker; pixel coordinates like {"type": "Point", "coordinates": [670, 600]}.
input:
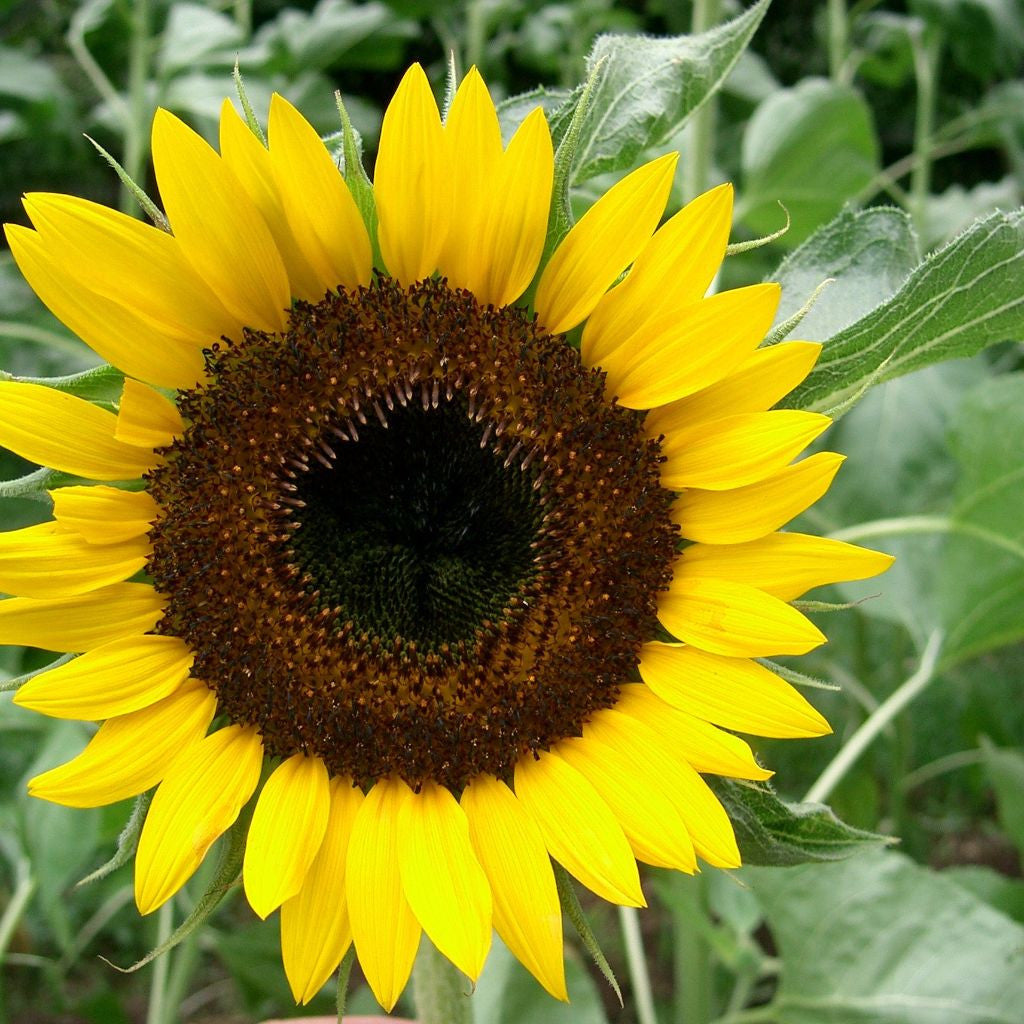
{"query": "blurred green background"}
{"type": "Point", "coordinates": [916, 105]}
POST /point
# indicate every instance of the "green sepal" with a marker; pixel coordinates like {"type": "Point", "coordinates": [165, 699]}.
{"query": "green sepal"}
{"type": "Point", "coordinates": [572, 909]}
{"type": "Point", "coordinates": [250, 115]}
{"type": "Point", "coordinates": [357, 179]}
{"type": "Point", "coordinates": [798, 678]}
{"type": "Point", "coordinates": [35, 486]}
{"type": "Point", "coordinates": [560, 219]}
{"type": "Point", "coordinates": [790, 324]}
{"type": "Point", "coordinates": [755, 243]}
{"type": "Point", "coordinates": [344, 973]}
{"type": "Point", "coordinates": [152, 211]}
{"type": "Point", "coordinates": [101, 385]}
{"type": "Point", "coordinates": [127, 841]}
{"type": "Point", "coordinates": [827, 606]}
{"type": "Point", "coordinates": [16, 682]}
{"type": "Point", "coordinates": [773, 833]}
{"type": "Point", "coordinates": [228, 875]}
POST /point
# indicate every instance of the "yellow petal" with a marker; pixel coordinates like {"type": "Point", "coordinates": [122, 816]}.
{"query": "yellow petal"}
{"type": "Point", "coordinates": [473, 140]}
{"type": "Point", "coordinates": [219, 229]}
{"type": "Point", "coordinates": [104, 515]}
{"type": "Point", "coordinates": [737, 450]}
{"type": "Point", "coordinates": [131, 753]}
{"type": "Point", "coordinates": [746, 513]}
{"type": "Point", "coordinates": [711, 751]}
{"type": "Point", "coordinates": [579, 829]}
{"type": "Point", "coordinates": [131, 263]}
{"type": "Point", "coordinates": [602, 244]}
{"type": "Point", "coordinates": [66, 433]}
{"type": "Point", "coordinates": [735, 693]}
{"type": "Point", "coordinates": [688, 349]}
{"type": "Point", "coordinates": [785, 565]}
{"type": "Point", "coordinates": [145, 418]}
{"type": "Point", "coordinates": [44, 562]}
{"type": "Point", "coordinates": [115, 679]}
{"type": "Point", "coordinates": [673, 270]}
{"type": "Point", "coordinates": [511, 850]}
{"type": "Point", "coordinates": [757, 383]}
{"type": "Point", "coordinates": [315, 929]}
{"type": "Point", "coordinates": [443, 882]}
{"type": "Point", "coordinates": [653, 826]}
{"type": "Point", "coordinates": [669, 773]}
{"type": "Point", "coordinates": [117, 334]}
{"type": "Point", "coordinates": [286, 831]}
{"type": "Point", "coordinates": [320, 209]}
{"type": "Point", "coordinates": [517, 222]}
{"type": "Point", "coordinates": [413, 201]}
{"type": "Point", "coordinates": [735, 620]}
{"type": "Point", "coordinates": [243, 152]}
{"type": "Point", "coordinates": [199, 799]}
{"type": "Point", "coordinates": [80, 623]}
{"type": "Point", "coordinates": [384, 928]}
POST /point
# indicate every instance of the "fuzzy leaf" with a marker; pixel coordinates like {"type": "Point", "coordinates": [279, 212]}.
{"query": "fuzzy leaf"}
{"type": "Point", "coordinates": [960, 300]}
{"type": "Point", "coordinates": [879, 940]}
{"type": "Point", "coordinates": [773, 833]}
{"type": "Point", "coordinates": [867, 254]}
{"type": "Point", "coordinates": [811, 148]}
{"type": "Point", "coordinates": [649, 87]}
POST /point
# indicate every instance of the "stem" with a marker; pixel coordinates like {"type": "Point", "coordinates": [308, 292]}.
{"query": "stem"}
{"type": "Point", "coordinates": [156, 1012]}
{"type": "Point", "coordinates": [692, 963]}
{"type": "Point", "coordinates": [476, 33]}
{"type": "Point", "coordinates": [701, 129]}
{"type": "Point", "coordinates": [926, 524]}
{"type": "Point", "coordinates": [636, 960]}
{"type": "Point", "coordinates": [941, 765]}
{"type": "Point", "coordinates": [23, 892]}
{"type": "Point", "coordinates": [137, 113]}
{"type": "Point", "coordinates": [440, 988]}
{"type": "Point", "coordinates": [838, 39]}
{"type": "Point", "coordinates": [877, 721]}
{"type": "Point", "coordinates": [925, 47]}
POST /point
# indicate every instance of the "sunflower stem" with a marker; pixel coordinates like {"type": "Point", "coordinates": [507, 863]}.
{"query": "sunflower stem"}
{"type": "Point", "coordinates": [135, 134]}
{"type": "Point", "coordinates": [692, 963]}
{"type": "Point", "coordinates": [877, 721]}
{"type": "Point", "coordinates": [926, 47]}
{"type": "Point", "coordinates": [439, 988]}
{"type": "Point", "coordinates": [156, 1012]}
{"type": "Point", "coordinates": [701, 129]}
{"type": "Point", "coordinates": [838, 40]}
{"type": "Point", "coordinates": [636, 961]}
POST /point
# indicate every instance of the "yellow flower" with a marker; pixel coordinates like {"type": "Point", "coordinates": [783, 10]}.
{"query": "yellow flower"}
{"type": "Point", "coordinates": [403, 541]}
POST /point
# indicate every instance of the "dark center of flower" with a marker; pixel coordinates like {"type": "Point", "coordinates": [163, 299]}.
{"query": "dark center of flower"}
{"type": "Point", "coordinates": [409, 535]}
{"type": "Point", "coordinates": [418, 530]}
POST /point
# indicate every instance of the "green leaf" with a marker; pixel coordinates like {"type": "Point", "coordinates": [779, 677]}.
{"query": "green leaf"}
{"type": "Point", "coordinates": [101, 384]}
{"type": "Point", "coordinates": [196, 37]}
{"type": "Point", "coordinates": [774, 833]}
{"type": "Point", "coordinates": [508, 994]}
{"type": "Point", "coordinates": [811, 148]}
{"type": "Point", "coordinates": [1006, 772]}
{"type": "Point", "coordinates": [960, 300]}
{"type": "Point", "coordinates": [649, 87]}
{"type": "Point", "coordinates": [879, 940]}
{"type": "Point", "coordinates": [868, 254]}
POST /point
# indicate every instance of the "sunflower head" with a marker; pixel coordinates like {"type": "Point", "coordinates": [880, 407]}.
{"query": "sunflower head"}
{"type": "Point", "coordinates": [472, 581]}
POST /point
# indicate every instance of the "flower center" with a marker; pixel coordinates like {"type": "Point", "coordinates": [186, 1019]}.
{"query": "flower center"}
{"type": "Point", "coordinates": [409, 535]}
{"type": "Point", "coordinates": [419, 529]}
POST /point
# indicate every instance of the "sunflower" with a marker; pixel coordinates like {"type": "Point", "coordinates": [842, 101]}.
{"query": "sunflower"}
{"type": "Point", "coordinates": [436, 582]}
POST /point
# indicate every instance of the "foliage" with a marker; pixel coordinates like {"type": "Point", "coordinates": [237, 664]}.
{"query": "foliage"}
{"type": "Point", "coordinates": [893, 135]}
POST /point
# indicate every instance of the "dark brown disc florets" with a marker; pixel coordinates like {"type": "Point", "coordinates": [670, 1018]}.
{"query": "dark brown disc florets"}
{"type": "Point", "coordinates": [409, 535]}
